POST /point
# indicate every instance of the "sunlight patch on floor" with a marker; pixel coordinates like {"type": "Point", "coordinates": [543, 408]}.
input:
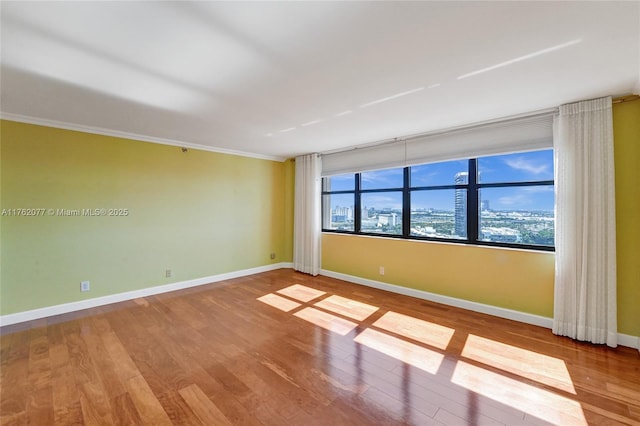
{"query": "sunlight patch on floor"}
{"type": "Point", "coordinates": [534, 401]}
{"type": "Point", "coordinates": [326, 321]}
{"type": "Point", "coordinates": [301, 292]}
{"type": "Point", "coordinates": [278, 302]}
{"type": "Point", "coordinates": [347, 307]}
{"type": "Point", "coordinates": [531, 365]}
{"type": "Point", "coordinates": [413, 328]}
{"type": "Point", "coordinates": [401, 350]}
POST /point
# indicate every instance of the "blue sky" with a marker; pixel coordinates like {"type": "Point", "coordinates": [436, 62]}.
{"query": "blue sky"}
{"type": "Point", "coordinates": [530, 166]}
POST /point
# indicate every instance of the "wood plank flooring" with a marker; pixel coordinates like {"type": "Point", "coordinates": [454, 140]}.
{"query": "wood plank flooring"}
{"type": "Point", "coordinates": [283, 348]}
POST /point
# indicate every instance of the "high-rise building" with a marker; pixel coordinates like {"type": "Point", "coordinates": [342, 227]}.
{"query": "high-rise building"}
{"type": "Point", "coordinates": [461, 205]}
{"type": "Point", "coordinates": [364, 213]}
{"type": "Point", "coordinates": [346, 212]}
{"type": "Point", "coordinates": [390, 219]}
{"type": "Point", "coordinates": [342, 214]}
{"type": "Point", "coordinates": [485, 205]}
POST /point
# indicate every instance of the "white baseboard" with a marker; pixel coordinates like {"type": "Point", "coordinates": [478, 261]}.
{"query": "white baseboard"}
{"type": "Point", "coordinates": [629, 341]}
{"type": "Point", "coordinates": [623, 339]}
{"type": "Point", "coordinates": [129, 295]}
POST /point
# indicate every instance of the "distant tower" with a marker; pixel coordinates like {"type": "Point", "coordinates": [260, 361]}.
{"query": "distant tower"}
{"type": "Point", "coordinates": [485, 205]}
{"type": "Point", "coordinates": [461, 205]}
{"type": "Point", "coordinates": [364, 213]}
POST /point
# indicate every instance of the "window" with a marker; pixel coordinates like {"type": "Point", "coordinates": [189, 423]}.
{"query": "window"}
{"type": "Point", "coordinates": [381, 201]}
{"type": "Point", "coordinates": [504, 200]}
{"type": "Point", "coordinates": [438, 196]}
{"type": "Point", "coordinates": [516, 198]}
{"type": "Point", "coordinates": [338, 201]}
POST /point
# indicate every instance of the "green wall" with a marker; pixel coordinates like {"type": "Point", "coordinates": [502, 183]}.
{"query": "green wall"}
{"type": "Point", "coordinates": [514, 279]}
{"type": "Point", "coordinates": [626, 134]}
{"type": "Point", "coordinates": [197, 213]}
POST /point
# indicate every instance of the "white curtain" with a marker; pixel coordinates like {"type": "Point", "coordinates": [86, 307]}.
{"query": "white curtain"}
{"type": "Point", "coordinates": [306, 224]}
{"type": "Point", "coordinates": [585, 281]}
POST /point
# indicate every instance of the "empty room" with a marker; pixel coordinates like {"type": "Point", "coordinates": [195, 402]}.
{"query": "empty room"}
{"type": "Point", "coordinates": [320, 213]}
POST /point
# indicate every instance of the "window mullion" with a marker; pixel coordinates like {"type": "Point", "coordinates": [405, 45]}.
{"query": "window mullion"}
{"type": "Point", "coordinates": [357, 216]}
{"type": "Point", "coordinates": [406, 204]}
{"type": "Point", "coordinates": [472, 202]}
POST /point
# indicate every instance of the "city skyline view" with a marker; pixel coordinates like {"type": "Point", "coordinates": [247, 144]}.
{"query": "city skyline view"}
{"type": "Point", "coordinates": [511, 214]}
{"type": "Point", "coordinates": [520, 167]}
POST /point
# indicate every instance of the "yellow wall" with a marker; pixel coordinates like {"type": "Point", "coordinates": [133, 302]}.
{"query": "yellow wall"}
{"type": "Point", "coordinates": [626, 133]}
{"type": "Point", "coordinates": [513, 279]}
{"type": "Point", "coordinates": [197, 213]}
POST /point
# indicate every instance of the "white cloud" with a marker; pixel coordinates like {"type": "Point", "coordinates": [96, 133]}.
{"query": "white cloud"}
{"type": "Point", "coordinates": [516, 200]}
{"type": "Point", "coordinates": [384, 178]}
{"type": "Point", "coordinates": [424, 179]}
{"type": "Point", "coordinates": [380, 201]}
{"type": "Point", "coordinates": [527, 166]}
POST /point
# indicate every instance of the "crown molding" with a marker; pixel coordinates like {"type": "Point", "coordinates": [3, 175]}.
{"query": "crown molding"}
{"type": "Point", "coordinates": [133, 136]}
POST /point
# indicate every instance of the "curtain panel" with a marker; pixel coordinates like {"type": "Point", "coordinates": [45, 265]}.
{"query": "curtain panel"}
{"type": "Point", "coordinates": [585, 278]}
{"type": "Point", "coordinates": [307, 227]}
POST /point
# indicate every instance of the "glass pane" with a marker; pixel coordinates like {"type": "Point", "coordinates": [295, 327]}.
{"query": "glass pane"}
{"type": "Point", "coordinates": [437, 174]}
{"type": "Point", "coordinates": [522, 167]}
{"type": "Point", "coordinates": [441, 213]}
{"type": "Point", "coordinates": [382, 179]}
{"type": "Point", "coordinates": [521, 215]}
{"type": "Point", "coordinates": [382, 212]}
{"type": "Point", "coordinates": [339, 183]}
{"type": "Point", "coordinates": [337, 212]}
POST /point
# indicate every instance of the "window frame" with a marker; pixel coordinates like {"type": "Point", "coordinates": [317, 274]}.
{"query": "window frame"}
{"type": "Point", "coordinates": [473, 188]}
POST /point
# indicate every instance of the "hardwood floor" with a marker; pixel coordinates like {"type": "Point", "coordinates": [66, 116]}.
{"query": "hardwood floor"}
{"type": "Point", "coordinates": [283, 348]}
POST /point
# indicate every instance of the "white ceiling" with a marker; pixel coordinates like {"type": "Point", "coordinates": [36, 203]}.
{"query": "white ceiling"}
{"type": "Point", "coordinates": [278, 79]}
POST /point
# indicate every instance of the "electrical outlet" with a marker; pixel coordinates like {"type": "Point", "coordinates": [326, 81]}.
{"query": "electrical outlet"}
{"type": "Point", "coordinates": [85, 286]}
{"type": "Point", "coordinates": [382, 270]}
{"type": "Point", "coordinates": [273, 256]}
{"type": "Point", "coordinates": [168, 273]}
